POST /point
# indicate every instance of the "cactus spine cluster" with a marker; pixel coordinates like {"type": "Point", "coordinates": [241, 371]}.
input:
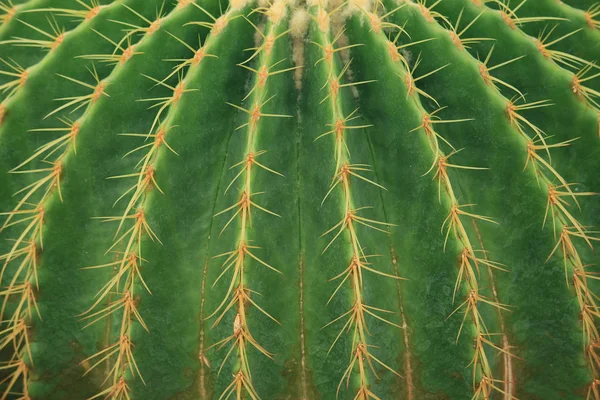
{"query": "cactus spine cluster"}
{"type": "Point", "coordinates": [299, 200]}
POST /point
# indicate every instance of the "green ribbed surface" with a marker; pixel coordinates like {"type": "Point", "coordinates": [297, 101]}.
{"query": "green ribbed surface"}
{"type": "Point", "coordinates": [306, 150]}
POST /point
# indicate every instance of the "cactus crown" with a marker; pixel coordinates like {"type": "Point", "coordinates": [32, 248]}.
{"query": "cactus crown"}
{"type": "Point", "coordinates": [299, 200]}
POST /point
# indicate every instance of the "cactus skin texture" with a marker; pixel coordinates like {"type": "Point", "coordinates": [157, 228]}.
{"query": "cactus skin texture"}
{"type": "Point", "coordinates": [299, 200]}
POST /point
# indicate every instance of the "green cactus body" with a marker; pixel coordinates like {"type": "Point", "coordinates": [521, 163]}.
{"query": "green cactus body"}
{"type": "Point", "coordinates": [299, 200]}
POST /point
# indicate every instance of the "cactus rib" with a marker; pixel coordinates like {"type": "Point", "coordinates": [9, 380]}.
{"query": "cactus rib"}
{"type": "Point", "coordinates": [273, 199]}
{"type": "Point", "coordinates": [130, 260]}
{"type": "Point", "coordinates": [544, 170]}
{"type": "Point", "coordinates": [238, 296]}
{"type": "Point", "coordinates": [362, 358]}
{"type": "Point", "coordinates": [469, 261]}
{"type": "Point", "coordinates": [30, 241]}
{"type": "Point", "coordinates": [565, 225]}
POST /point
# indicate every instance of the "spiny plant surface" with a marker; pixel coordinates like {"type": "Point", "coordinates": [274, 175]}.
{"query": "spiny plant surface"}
{"type": "Point", "coordinates": [299, 200]}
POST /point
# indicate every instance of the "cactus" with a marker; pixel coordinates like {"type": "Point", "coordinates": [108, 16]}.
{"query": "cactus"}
{"type": "Point", "coordinates": [299, 200]}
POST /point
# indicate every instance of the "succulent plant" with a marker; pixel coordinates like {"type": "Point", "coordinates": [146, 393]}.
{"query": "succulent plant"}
{"type": "Point", "coordinates": [299, 200]}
